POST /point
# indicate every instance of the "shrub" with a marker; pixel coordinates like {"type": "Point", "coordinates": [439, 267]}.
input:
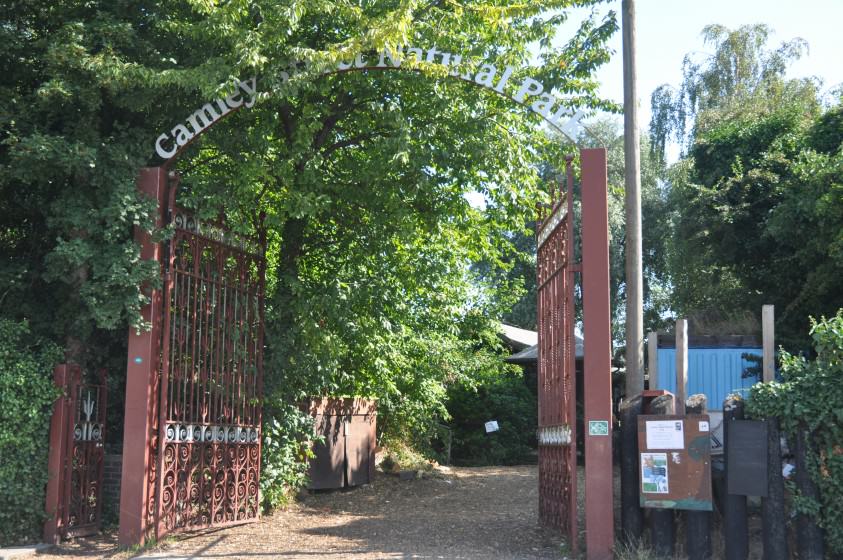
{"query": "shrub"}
{"type": "Point", "coordinates": [287, 444]}
{"type": "Point", "coordinates": [501, 395]}
{"type": "Point", "coordinates": [26, 395]}
{"type": "Point", "coordinates": [810, 397]}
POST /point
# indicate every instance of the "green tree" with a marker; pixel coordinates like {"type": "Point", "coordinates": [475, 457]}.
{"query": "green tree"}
{"type": "Point", "coordinates": [743, 75]}
{"type": "Point", "coordinates": [754, 207]}
{"type": "Point", "coordinates": [362, 177]}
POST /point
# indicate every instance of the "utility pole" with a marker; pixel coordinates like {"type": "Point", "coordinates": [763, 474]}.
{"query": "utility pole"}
{"type": "Point", "coordinates": [632, 176]}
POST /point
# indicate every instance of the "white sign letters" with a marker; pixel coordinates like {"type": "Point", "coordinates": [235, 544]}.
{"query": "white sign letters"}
{"type": "Point", "coordinates": [168, 144]}
{"type": "Point", "coordinates": [527, 91]}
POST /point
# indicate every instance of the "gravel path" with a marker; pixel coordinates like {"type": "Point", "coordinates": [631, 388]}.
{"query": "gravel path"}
{"type": "Point", "coordinates": [484, 513]}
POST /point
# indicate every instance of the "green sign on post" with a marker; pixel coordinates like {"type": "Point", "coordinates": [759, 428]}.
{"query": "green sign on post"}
{"type": "Point", "coordinates": [598, 427]}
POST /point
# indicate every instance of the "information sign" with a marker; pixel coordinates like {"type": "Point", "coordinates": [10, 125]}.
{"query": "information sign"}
{"type": "Point", "coordinates": [675, 462]}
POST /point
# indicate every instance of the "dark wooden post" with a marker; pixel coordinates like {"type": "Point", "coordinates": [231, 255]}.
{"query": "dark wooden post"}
{"type": "Point", "coordinates": [662, 533]}
{"type": "Point", "coordinates": [772, 507]}
{"type": "Point", "coordinates": [698, 530]}
{"type": "Point", "coordinates": [809, 537]}
{"type": "Point", "coordinates": [632, 516]}
{"type": "Point", "coordinates": [735, 524]}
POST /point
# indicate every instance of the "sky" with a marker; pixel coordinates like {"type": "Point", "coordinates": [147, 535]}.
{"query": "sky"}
{"type": "Point", "coordinates": [669, 29]}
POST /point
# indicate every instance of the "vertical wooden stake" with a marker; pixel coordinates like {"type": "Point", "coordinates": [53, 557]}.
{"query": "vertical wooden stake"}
{"type": "Point", "coordinates": [632, 516]}
{"type": "Point", "coordinates": [735, 519]}
{"type": "Point", "coordinates": [773, 515]}
{"type": "Point", "coordinates": [681, 365]}
{"type": "Point", "coordinates": [809, 536]}
{"type": "Point", "coordinates": [697, 523]}
{"type": "Point", "coordinates": [662, 527]}
{"type": "Point", "coordinates": [653, 359]}
{"type": "Point", "coordinates": [769, 342]}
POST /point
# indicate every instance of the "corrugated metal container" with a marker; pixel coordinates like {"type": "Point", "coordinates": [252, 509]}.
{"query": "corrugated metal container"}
{"type": "Point", "coordinates": [716, 372]}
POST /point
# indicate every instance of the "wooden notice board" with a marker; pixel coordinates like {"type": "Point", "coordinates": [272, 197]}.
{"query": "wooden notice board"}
{"type": "Point", "coordinates": [674, 461]}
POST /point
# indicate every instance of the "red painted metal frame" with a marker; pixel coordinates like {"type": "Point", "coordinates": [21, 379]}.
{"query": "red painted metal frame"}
{"type": "Point", "coordinates": [209, 418]}
{"type": "Point", "coordinates": [195, 380]}
{"type": "Point", "coordinates": [597, 341]}
{"type": "Point", "coordinates": [557, 379]}
{"type": "Point", "coordinates": [140, 435]}
{"type": "Point", "coordinates": [557, 390]}
{"type": "Point", "coordinates": [84, 469]}
{"type": "Point", "coordinates": [77, 430]}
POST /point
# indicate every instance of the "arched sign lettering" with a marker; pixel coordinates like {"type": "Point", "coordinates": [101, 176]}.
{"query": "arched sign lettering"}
{"type": "Point", "coordinates": [525, 91]}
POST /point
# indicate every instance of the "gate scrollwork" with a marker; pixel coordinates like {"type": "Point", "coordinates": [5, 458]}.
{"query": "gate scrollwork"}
{"type": "Point", "coordinates": [556, 367]}
{"type": "Point", "coordinates": [211, 380]}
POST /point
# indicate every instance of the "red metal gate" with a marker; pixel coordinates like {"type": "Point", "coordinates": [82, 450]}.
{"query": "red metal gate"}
{"type": "Point", "coordinates": [76, 456]}
{"type": "Point", "coordinates": [556, 377]}
{"type": "Point", "coordinates": [209, 413]}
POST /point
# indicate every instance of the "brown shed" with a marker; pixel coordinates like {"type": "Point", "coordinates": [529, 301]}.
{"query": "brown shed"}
{"type": "Point", "coordinates": [347, 456]}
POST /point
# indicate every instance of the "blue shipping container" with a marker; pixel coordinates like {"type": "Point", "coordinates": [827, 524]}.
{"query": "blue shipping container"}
{"type": "Point", "coordinates": [716, 372]}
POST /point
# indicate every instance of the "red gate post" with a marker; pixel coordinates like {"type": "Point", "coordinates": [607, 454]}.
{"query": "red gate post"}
{"type": "Point", "coordinates": [136, 500]}
{"type": "Point", "coordinates": [58, 450]}
{"type": "Point", "coordinates": [597, 378]}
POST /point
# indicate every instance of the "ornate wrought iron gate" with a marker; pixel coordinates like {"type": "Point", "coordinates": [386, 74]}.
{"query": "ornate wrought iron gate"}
{"type": "Point", "coordinates": [76, 456]}
{"type": "Point", "coordinates": [209, 413]}
{"type": "Point", "coordinates": [556, 378]}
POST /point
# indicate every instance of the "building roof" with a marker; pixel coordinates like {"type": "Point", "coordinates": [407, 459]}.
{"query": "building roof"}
{"type": "Point", "coordinates": [712, 341]}
{"type": "Point", "coordinates": [531, 353]}
{"type": "Point", "coordinates": [518, 338]}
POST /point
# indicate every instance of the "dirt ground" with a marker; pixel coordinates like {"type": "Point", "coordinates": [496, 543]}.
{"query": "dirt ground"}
{"type": "Point", "coordinates": [457, 513]}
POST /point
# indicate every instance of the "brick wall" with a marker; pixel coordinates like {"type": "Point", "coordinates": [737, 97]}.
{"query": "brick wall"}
{"type": "Point", "coordinates": [112, 472]}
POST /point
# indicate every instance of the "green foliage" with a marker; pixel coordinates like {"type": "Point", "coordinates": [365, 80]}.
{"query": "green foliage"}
{"type": "Point", "coordinates": [497, 392]}
{"type": "Point", "coordinates": [758, 217]}
{"type": "Point", "coordinates": [810, 397]}
{"type": "Point", "coordinates": [741, 75]}
{"type": "Point", "coordinates": [826, 134]}
{"type": "Point", "coordinates": [362, 177]}
{"type": "Point", "coordinates": [78, 84]}
{"type": "Point", "coordinates": [608, 133]}
{"type": "Point", "coordinates": [287, 444]}
{"type": "Point", "coordinates": [26, 397]}
{"type": "Point", "coordinates": [754, 212]}
{"type": "Point", "coordinates": [399, 456]}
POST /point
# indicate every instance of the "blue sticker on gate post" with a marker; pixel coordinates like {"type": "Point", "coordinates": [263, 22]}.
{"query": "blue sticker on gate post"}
{"type": "Point", "coordinates": [598, 427]}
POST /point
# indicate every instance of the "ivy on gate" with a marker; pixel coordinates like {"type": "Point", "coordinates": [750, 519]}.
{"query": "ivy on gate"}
{"type": "Point", "coordinates": [810, 396]}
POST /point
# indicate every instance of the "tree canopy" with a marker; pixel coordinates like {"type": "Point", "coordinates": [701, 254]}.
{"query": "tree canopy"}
{"type": "Point", "coordinates": [362, 177]}
{"type": "Point", "coordinates": [742, 75]}
{"type": "Point", "coordinates": [755, 207]}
